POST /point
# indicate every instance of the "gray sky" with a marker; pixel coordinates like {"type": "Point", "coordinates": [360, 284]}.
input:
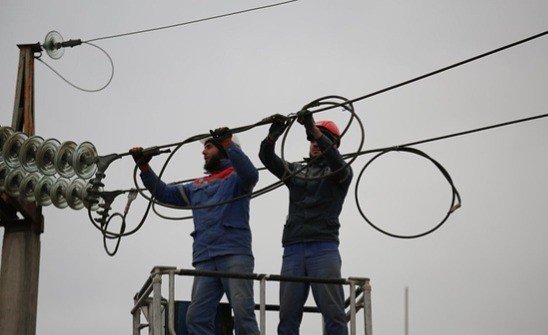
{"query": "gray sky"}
{"type": "Point", "coordinates": [484, 272]}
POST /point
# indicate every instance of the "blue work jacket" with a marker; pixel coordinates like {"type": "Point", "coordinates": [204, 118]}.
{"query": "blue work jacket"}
{"type": "Point", "coordinates": [219, 230]}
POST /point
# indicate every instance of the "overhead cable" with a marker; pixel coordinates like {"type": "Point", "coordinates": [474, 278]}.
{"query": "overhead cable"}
{"type": "Point", "coordinates": [439, 138]}
{"type": "Point", "coordinates": [349, 102]}
{"type": "Point", "coordinates": [76, 86]}
{"type": "Point", "coordinates": [455, 197]}
{"type": "Point", "coordinates": [191, 22]}
{"type": "Point", "coordinates": [443, 69]}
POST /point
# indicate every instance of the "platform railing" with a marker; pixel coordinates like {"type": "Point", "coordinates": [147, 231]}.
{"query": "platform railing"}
{"type": "Point", "coordinates": [359, 297]}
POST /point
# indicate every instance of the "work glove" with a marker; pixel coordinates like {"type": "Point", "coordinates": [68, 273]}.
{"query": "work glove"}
{"type": "Point", "coordinates": [305, 118]}
{"type": "Point", "coordinates": [139, 156]}
{"type": "Point", "coordinates": [222, 136]}
{"type": "Point", "coordinates": [277, 128]}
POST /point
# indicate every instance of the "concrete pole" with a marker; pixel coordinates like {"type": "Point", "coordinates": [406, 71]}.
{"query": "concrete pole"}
{"type": "Point", "coordinates": [406, 310]}
{"type": "Point", "coordinates": [21, 244]}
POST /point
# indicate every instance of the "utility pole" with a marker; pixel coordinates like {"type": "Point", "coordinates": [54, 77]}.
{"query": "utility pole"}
{"type": "Point", "coordinates": [23, 222]}
{"type": "Point", "coordinates": [406, 310]}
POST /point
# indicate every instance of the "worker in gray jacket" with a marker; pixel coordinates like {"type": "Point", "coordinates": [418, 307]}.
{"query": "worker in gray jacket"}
{"type": "Point", "coordinates": [311, 232]}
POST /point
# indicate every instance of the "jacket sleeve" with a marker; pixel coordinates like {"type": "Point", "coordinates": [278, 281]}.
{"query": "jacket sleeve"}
{"type": "Point", "coordinates": [243, 166]}
{"type": "Point", "coordinates": [169, 194]}
{"type": "Point", "coordinates": [334, 159]}
{"type": "Point", "coordinates": [271, 161]}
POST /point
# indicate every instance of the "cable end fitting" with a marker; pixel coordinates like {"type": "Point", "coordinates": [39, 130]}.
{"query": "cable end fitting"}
{"type": "Point", "coordinates": [454, 208]}
{"type": "Point", "coordinates": [69, 43]}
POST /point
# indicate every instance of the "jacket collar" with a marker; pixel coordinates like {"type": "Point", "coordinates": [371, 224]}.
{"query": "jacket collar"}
{"type": "Point", "coordinates": [319, 162]}
{"type": "Point", "coordinates": [225, 170]}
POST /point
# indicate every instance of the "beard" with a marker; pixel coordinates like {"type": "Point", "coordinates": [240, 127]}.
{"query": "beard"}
{"type": "Point", "coordinates": [213, 165]}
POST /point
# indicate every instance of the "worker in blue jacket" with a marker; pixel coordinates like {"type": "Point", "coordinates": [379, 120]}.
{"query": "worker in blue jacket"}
{"type": "Point", "coordinates": [311, 232]}
{"type": "Point", "coordinates": [222, 237]}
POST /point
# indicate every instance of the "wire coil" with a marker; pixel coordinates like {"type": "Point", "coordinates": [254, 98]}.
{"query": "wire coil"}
{"type": "Point", "coordinates": [455, 200]}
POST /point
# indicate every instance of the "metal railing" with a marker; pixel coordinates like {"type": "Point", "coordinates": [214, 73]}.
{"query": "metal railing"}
{"type": "Point", "coordinates": [359, 298]}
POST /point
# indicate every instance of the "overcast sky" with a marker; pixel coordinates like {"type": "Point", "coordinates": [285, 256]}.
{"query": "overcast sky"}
{"type": "Point", "coordinates": [483, 272]}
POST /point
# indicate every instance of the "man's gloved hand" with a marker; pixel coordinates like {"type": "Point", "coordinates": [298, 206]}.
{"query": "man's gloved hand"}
{"type": "Point", "coordinates": [139, 157]}
{"type": "Point", "coordinates": [278, 127]}
{"type": "Point", "coordinates": [305, 118]}
{"type": "Point", "coordinates": [222, 135]}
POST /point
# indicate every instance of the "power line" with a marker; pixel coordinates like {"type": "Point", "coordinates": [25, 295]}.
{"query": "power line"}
{"type": "Point", "coordinates": [191, 22]}
{"type": "Point", "coordinates": [349, 102]}
{"type": "Point", "coordinates": [455, 197]}
{"type": "Point", "coordinates": [439, 138]}
{"type": "Point", "coordinates": [488, 53]}
{"type": "Point", "coordinates": [73, 43]}
{"type": "Point", "coordinates": [78, 87]}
